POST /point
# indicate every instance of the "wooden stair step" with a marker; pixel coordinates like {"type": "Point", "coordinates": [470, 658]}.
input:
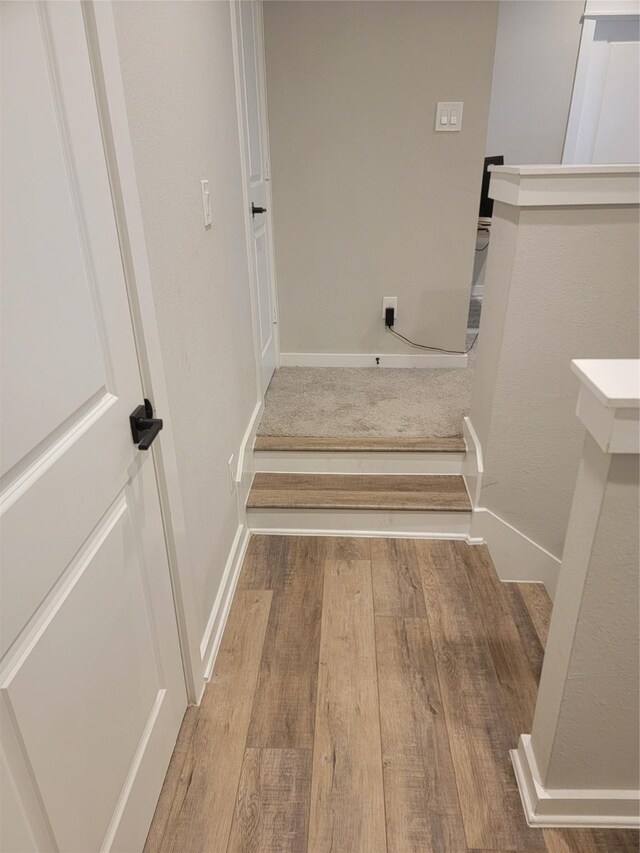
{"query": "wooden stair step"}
{"type": "Point", "coordinates": [400, 444]}
{"type": "Point", "coordinates": [425, 492]}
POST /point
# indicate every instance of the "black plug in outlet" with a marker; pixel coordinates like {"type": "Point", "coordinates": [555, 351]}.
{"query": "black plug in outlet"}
{"type": "Point", "coordinates": [389, 317]}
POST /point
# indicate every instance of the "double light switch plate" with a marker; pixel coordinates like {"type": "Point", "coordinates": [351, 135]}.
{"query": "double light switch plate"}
{"type": "Point", "coordinates": [449, 116]}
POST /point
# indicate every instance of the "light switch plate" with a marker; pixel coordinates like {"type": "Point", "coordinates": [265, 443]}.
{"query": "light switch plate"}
{"type": "Point", "coordinates": [232, 473]}
{"type": "Point", "coordinates": [206, 202]}
{"type": "Point", "coordinates": [449, 116]}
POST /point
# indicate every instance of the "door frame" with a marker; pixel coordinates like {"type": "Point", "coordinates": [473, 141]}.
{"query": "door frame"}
{"type": "Point", "coordinates": [595, 10]}
{"type": "Point", "coordinates": [105, 65]}
{"type": "Point", "coordinates": [264, 120]}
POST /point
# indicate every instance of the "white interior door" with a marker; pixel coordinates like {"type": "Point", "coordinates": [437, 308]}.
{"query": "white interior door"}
{"type": "Point", "coordinates": [91, 683]}
{"type": "Point", "coordinates": [249, 30]}
{"type": "Point", "coordinates": [604, 117]}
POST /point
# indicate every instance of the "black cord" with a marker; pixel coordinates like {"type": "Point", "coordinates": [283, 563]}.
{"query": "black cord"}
{"type": "Point", "coordinates": [438, 349]}
{"type": "Point", "coordinates": [486, 245]}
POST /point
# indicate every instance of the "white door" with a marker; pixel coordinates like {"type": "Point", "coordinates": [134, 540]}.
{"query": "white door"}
{"type": "Point", "coordinates": [249, 38]}
{"type": "Point", "coordinates": [604, 117]}
{"type": "Point", "coordinates": [91, 682]}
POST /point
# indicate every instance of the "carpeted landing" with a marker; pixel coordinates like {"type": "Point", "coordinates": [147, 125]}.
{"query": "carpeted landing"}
{"type": "Point", "coordinates": [367, 401]}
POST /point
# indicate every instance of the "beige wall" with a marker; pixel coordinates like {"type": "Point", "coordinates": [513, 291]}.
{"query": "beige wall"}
{"type": "Point", "coordinates": [561, 283]}
{"type": "Point", "coordinates": [586, 730]}
{"type": "Point", "coordinates": [368, 200]}
{"type": "Point", "coordinates": [179, 85]}
{"type": "Point", "coordinates": [536, 51]}
{"type": "Point", "coordinates": [599, 748]}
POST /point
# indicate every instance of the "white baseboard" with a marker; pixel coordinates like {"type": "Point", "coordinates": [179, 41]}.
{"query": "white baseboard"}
{"type": "Point", "coordinates": [472, 466]}
{"type": "Point", "coordinates": [365, 462]}
{"type": "Point", "coordinates": [365, 534]}
{"type": "Point", "coordinates": [220, 610]}
{"type": "Point", "coordinates": [514, 555]}
{"type": "Point", "coordinates": [245, 467]}
{"type": "Point", "coordinates": [560, 807]}
{"type": "Point", "coordinates": [354, 359]}
{"type": "Point", "coordinates": [212, 635]}
{"type": "Point", "coordinates": [355, 522]}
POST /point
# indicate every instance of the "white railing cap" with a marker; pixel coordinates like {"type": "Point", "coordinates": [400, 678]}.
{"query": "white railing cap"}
{"type": "Point", "coordinates": [566, 186]}
{"type": "Point", "coordinates": [609, 401]}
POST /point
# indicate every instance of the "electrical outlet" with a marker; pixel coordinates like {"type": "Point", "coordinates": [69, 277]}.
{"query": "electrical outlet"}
{"type": "Point", "coordinates": [390, 302]}
{"type": "Point", "coordinates": [232, 472]}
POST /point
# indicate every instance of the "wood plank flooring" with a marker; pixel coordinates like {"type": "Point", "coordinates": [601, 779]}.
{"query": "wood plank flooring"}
{"type": "Point", "coordinates": [365, 697]}
{"type": "Point", "coordinates": [397, 444]}
{"type": "Point", "coordinates": [435, 493]}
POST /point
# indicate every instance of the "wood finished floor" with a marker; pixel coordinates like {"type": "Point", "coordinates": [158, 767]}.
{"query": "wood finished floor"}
{"type": "Point", "coordinates": [428, 492]}
{"type": "Point", "coordinates": [365, 697]}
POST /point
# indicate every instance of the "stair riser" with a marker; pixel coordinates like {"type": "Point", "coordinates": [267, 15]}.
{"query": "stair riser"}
{"type": "Point", "coordinates": [312, 462]}
{"type": "Point", "coordinates": [355, 522]}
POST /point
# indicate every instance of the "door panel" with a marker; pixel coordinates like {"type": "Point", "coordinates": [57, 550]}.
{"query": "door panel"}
{"type": "Point", "coordinates": [91, 682]}
{"type": "Point", "coordinates": [94, 738]}
{"type": "Point", "coordinates": [604, 117]}
{"type": "Point", "coordinates": [251, 92]}
{"type": "Point", "coordinates": [617, 135]}
{"type": "Point", "coordinates": [255, 150]}
{"type": "Point", "coordinates": [32, 565]}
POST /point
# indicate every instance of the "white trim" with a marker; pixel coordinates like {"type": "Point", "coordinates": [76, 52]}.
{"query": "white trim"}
{"type": "Point", "coordinates": [271, 246]}
{"type": "Point", "coordinates": [472, 465]}
{"type": "Point", "coordinates": [614, 381]}
{"type": "Point", "coordinates": [366, 534]}
{"type": "Point", "coordinates": [246, 446]}
{"type": "Point", "coordinates": [563, 169]}
{"type": "Point", "coordinates": [354, 359]}
{"type": "Point", "coordinates": [105, 63]}
{"type": "Point", "coordinates": [514, 555]}
{"type": "Point", "coordinates": [572, 136]}
{"type": "Point", "coordinates": [614, 430]}
{"type": "Point", "coordinates": [552, 186]}
{"type": "Point", "coordinates": [212, 635]}
{"type": "Point", "coordinates": [611, 9]}
{"type": "Point", "coordinates": [357, 522]}
{"type": "Point", "coordinates": [357, 462]}
{"type": "Point", "coordinates": [557, 807]}
{"type": "Point", "coordinates": [246, 196]}
{"type": "Point", "coordinates": [246, 465]}
{"type": "Point", "coordinates": [589, 78]}
{"type": "Point", "coordinates": [210, 642]}
{"type": "Point", "coordinates": [609, 402]}
{"type": "Point", "coordinates": [249, 238]}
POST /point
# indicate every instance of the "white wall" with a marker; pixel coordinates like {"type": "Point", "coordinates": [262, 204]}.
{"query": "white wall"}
{"type": "Point", "coordinates": [536, 50]}
{"type": "Point", "coordinates": [586, 730]}
{"type": "Point", "coordinates": [368, 200]}
{"type": "Point", "coordinates": [561, 283]}
{"type": "Point", "coordinates": [177, 68]}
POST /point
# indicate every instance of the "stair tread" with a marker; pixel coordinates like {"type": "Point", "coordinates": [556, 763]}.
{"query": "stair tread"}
{"type": "Point", "coordinates": [400, 444]}
{"type": "Point", "coordinates": [427, 492]}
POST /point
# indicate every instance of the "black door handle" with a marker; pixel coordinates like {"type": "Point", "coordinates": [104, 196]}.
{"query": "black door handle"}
{"type": "Point", "coordinates": [144, 427]}
{"type": "Point", "coordinates": [255, 210]}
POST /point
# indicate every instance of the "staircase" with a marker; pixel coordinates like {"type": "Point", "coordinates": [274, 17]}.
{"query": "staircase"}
{"type": "Point", "coordinates": [408, 486]}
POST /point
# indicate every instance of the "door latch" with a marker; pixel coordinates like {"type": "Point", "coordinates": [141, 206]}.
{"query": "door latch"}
{"type": "Point", "coordinates": [255, 209]}
{"type": "Point", "coordinates": [144, 427]}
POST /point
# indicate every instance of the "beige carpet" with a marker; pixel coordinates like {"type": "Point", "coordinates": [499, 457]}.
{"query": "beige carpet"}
{"type": "Point", "coordinates": [367, 401]}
